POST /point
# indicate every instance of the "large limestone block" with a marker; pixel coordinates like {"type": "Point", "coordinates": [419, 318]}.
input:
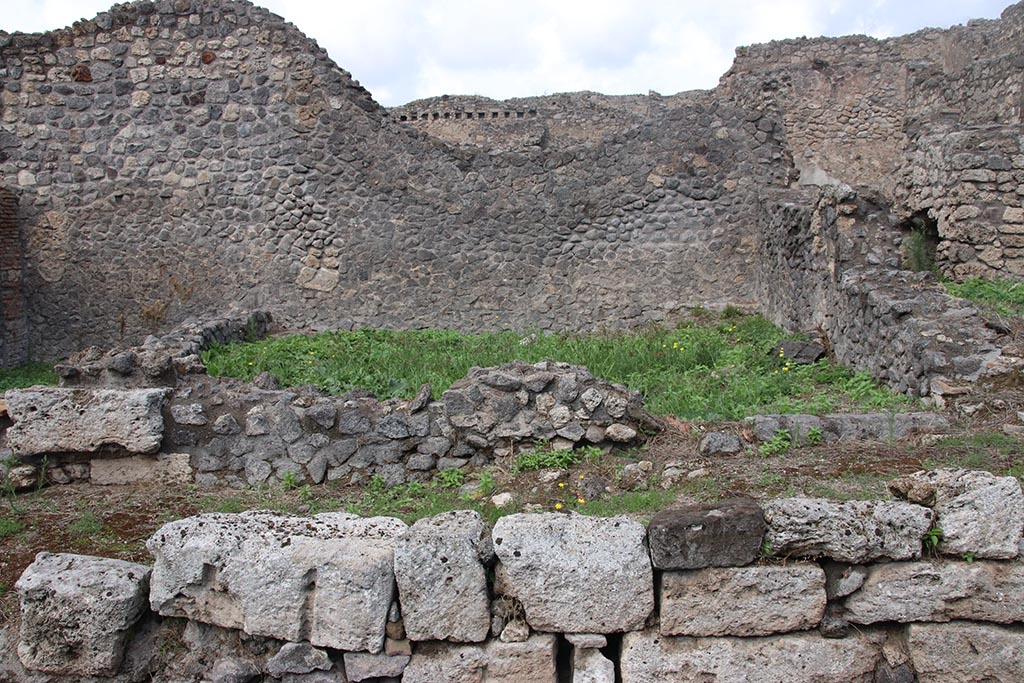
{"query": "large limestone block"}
{"type": "Point", "coordinates": [442, 582]}
{"type": "Point", "coordinates": [726, 534]}
{"type": "Point", "coordinates": [575, 574]}
{"type": "Point", "coordinates": [964, 652]}
{"type": "Point", "coordinates": [327, 579]}
{"type": "Point", "coordinates": [161, 468]}
{"type": "Point", "coordinates": [590, 666]}
{"type": "Point", "coordinates": [853, 531]}
{"type": "Point", "coordinates": [742, 601]}
{"type": "Point", "coordinates": [531, 661]}
{"type": "Point", "coordinates": [56, 420]}
{"type": "Point", "coordinates": [77, 613]}
{"type": "Point", "coordinates": [978, 512]}
{"type": "Point", "coordinates": [939, 591]}
{"type": "Point", "coordinates": [648, 657]}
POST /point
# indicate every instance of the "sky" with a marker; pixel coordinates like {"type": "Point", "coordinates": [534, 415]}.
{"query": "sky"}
{"type": "Point", "coordinates": [402, 50]}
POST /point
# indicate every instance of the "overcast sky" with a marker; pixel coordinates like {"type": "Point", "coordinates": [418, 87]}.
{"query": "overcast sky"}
{"type": "Point", "coordinates": [402, 50]}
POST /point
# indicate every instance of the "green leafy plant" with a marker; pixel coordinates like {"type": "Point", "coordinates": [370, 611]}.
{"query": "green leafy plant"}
{"type": "Point", "coordinates": [932, 539]}
{"type": "Point", "coordinates": [999, 295]}
{"type": "Point", "coordinates": [545, 457]}
{"type": "Point", "coordinates": [451, 478]}
{"type": "Point", "coordinates": [27, 375]}
{"type": "Point", "coordinates": [10, 527]}
{"type": "Point", "coordinates": [289, 480]}
{"type": "Point", "coordinates": [779, 443]}
{"type": "Point", "coordinates": [968, 557]}
{"type": "Point", "coordinates": [815, 436]}
{"type": "Point", "coordinates": [486, 483]}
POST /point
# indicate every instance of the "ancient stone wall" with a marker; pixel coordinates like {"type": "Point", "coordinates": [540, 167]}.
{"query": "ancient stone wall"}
{"type": "Point", "coordinates": [833, 264]}
{"type": "Point", "coordinates": [796, 590]}
{"type": "Point", "coordinates": [174, 157]}
{"type": "Point", "coordinates": [930, 120]}
{"type": "Point", "coordinates": [13, 324]}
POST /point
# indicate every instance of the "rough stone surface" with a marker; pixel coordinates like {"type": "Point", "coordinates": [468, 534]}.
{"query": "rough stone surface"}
{"type": "Point", "coordinates": [745, 601]}
{"type": "Point", "coordinates": [54, 420]}
{"type": "Point", "coordinates": [978, 512]}
{"type": "Point", "coordinates": [298, 658]}
{"type": "Point", "coordinates": [326, 579]}
{"type": "Point", "coordinates": [360, 665]}
{"type": "Point", "coordinates": [77, 612]}
{"type": "Point", "coordinates": [590, 666]}
{"type": "Point", "coordinates": [532, 661]}
{"type": "Point", "coordinates": [854, 531]}
{"type": "Point", "coordinates": [963, 652]}
{"type": "Point", "coordinates": [648, 657]}
{"type": "Point", "coordinates": [939, 591]}
{"type": "Point", "coordinates": [442, 583]}
{"type": "Point", "coordinates": [725, 534]}
{"type": "Point", "coordinates": [162, 468]}
{"type": "Point", "coordinates": [720, 443]}
{"type": "Point", "coordinates": [575, 574]}
{"type": "Point", "coordinates": [849, 427]}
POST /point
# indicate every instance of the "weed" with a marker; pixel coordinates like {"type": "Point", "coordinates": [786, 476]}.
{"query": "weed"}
{"type": "Point", "coordinates": [545, 457]}
{"type": "Point", "coordinates": [779, 443]}
{"type": "Point", "coordinates": [815, 436]}
{"type": "Point", "coordinates": [10, 527]}
{"type": "Point", "coordinates": [1001, 296]}
{"type": "Point", "coordinates": [27, 375]}
{"type": "Point", "coordinates": [766, 549]}
{"type": "Point", "coordinates": [632, 503]}
{"type": "Point", "coordinates": [714, 368]}
{"type": "Point", "coordinates": [451, 478]}
{"type": "Point", "coordinates": [289, 480]}
{"type": "Point", "coordinates": [932, 539]}
{"type": "Point", "coordinates": [968, 557]}
{"type": "Point", "coordinates": [486, 483]}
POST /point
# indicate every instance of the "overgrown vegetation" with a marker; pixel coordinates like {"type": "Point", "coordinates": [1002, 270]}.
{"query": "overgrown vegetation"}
{"type": "Point", "coordinates": [715, 367]}
{"type": "Point", "coordinates": [27, 375]}
{"type": "Point", "coordinates": [1001, 296]}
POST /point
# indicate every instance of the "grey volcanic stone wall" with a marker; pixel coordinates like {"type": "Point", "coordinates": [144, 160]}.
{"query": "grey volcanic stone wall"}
{"type": "Point", "coordinates": [831, 265]}
{"type": "Point", "coordinates": [13, 325]}
{"type": "Point", "coordinates": [174, 157]}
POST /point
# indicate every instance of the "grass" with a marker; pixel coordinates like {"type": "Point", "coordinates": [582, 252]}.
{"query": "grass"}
{"type": "Point", "coordinates": [27, 375]}
{"type": "Point", "coordinates": [642, 503]}
{"type": "Point", "coordinates": [10, 527]}
{"type": "Point", "coordinates": [717, 368]}
{"type": "Point", "coordinates": [1001, 296]}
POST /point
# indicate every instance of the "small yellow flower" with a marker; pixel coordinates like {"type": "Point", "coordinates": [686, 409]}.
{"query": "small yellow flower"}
{"type": "Point", "coordinates": [558, 506]}
{"type": "Point", "coordinates": [580, 501]}
{"type": "Point", "coordinates": [675, 345]}
{"type": "Point", "coordinates": [785, 368]}
{"type": "Point", "coordinates": [561, 484]}
{"type": "Point", "coordinates": [581, 476]}
{"type": "Point", "coordinates": [776, 372]}
{"type": "Point", "coordinates": [250, 363]}
{"type": "Point", "coordinates": [664, 346]}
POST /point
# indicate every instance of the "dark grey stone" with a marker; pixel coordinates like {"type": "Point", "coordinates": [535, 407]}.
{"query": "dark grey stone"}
{"type": "Point", "coordinates": [725, 534]}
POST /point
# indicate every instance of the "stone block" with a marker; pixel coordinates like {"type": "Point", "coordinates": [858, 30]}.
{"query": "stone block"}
{"type": "Point", "coordinates": [575, 574]}
{"type": "Point", "coordinates": [77, 613]}
{"type": "Point", "coordinates": [648, 657]}
{"type": "Point", "coordinates": [531, 661]}
{"type": "Point", "coordinates": [853, 531]}
{"type": "Point", "coordinates": [742, 601]}
{"type": "Point", "coordinates": [964, 652]}
{"type": "Point", "coordinates": [442, 582]}
{"type": "Point", "coordinates": [978, 512]}
{"type": "Point", "coordinates": [56, 420]}
{"type": "Point", "coordinates": [939, 591]}
{"type": "Point", "coordinates": [726, 534]}
{"type": "Point", "coordinates": [327, 579]}
{"type": "Point", "coordinates": [590, 666]}
{"type": "Point", "coordinates": [162, 468]}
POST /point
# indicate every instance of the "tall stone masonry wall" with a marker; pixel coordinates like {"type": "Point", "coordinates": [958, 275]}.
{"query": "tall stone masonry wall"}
{"type": "Point", "coordinates": [930, 120]}
{"type": "Point", "coordinates": [207, 153]}
{"type": "Point", "coordinates": [13, 323]}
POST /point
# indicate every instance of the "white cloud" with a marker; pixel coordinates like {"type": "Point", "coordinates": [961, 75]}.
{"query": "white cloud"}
{"type": "Point", "coordinates": [407, 49]}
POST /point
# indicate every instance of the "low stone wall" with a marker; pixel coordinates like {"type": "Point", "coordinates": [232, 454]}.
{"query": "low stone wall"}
{"type": "Point", "coordinates": [929, 589]}
{"type": "Point", "coordinates": [832, 267]}
{"type": "Point", "coordinates": [220, 430]}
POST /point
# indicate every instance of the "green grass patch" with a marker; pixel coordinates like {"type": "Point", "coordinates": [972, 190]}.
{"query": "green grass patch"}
{"type": "Point", "coordinates": [643, 503]}
{"type": "Point", "coordinates": [27, 375]}
{"type": "Point", "coordinates": [716, 368]}
{"type": "Point", "coordinates": [413, 501]}
{"type": "Point", "coordinates": [10, 527]}
{"type": "Point", "coordinates": [1001, 296]}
